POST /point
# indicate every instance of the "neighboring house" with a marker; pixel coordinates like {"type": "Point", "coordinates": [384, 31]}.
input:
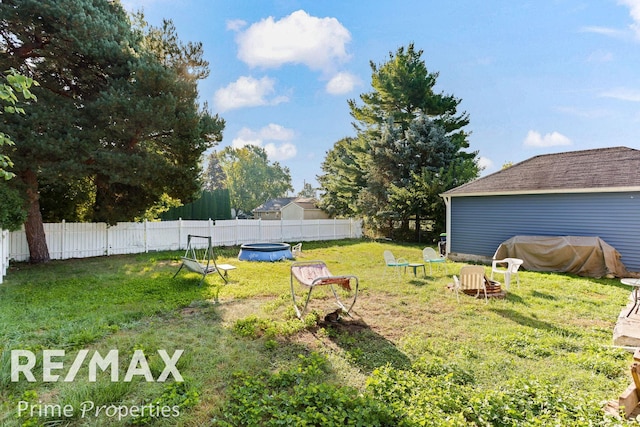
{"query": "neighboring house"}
{"type": "Point", "coordinates": [290, 208]}
{"type": "Point", "coordinates": [303, 208]}
{"type": "Point", "coordinates": [580, 193]}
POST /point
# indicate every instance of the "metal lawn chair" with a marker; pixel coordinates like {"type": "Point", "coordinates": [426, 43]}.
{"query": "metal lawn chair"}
{"type": "Point", "coordinates": [430, 256]}
{"type": "Point", "coordinates": [315, 273]}
{"type": "Point", "coordinates": [393, 262]}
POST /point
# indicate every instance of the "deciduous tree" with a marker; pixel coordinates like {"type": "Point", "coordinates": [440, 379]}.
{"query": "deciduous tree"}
{"type": "Point", "coordinates": [251, 178]}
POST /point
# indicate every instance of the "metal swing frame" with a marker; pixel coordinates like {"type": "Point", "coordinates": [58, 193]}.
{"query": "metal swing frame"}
{"type": "Point", "coordinates": [191, 262]}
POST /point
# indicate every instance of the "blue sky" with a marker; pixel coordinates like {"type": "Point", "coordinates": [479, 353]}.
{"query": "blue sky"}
{"type": "Point", "coordinates": [536, 77]}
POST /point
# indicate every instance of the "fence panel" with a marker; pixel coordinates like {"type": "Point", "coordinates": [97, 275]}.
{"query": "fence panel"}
{"type": "Point", "coordinates": [81, 240]}
{"type": "Point", "coordinates": [165, 236]}
{"type": "Point", "coordinates": [126, 238]}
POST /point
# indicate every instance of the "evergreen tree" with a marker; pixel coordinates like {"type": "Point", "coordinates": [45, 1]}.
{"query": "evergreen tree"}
{"type": "Point", "coordinates": [116, 121]}
{"type": "Point", "coordinates": [405, 131]}
{"type": "Point", "coordinates": [214, 177]}
{"type": "Point", "coordinates": [307, 191]}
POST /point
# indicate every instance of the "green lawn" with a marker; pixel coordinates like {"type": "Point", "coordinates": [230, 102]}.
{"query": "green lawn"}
{"type": "Point", "coordinates": [411, 354]}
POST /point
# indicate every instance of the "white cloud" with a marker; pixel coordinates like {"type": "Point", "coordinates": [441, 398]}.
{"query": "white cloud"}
{"type": "Point", "coordinates": [485, 163]}
{"type": "Point", "coordinates": [281, 152]}
{"type": "Point", "coordinates": [605, 31]}
{"type": "Point", "coordinates": [276, 132]}
{"type": "Point", "coordinates": [342, 83]}
{"type": "Point", "coordinates": [272, 132]}
{"type": "Point", "coordinates": [623, 94]}
{"type": "Point", "coordinates": [634, 11]}
{"type": "Point", "coordinates": [247, 92]}
{"type": "Point", "coordinates": [535, 139]}
{"type": "Point", "coordinates": [600, 56]}
{"type": "Point", "coordinates": [585, 113]}
{"type": "Point", "coordinates": [318, 43]}
{"type": "Point", "coordinates": [236, 24]}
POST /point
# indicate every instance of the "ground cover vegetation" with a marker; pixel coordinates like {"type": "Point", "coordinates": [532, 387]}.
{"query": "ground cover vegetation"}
{"type": "Point", "coordinates": [411, 355]}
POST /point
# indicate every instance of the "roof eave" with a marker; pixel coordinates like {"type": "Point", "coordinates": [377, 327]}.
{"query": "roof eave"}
{"type": "Point", "coordinates": [545, 191]}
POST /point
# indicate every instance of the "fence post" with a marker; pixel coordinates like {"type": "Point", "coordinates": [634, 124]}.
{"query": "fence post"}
{"type": "Point", "coordinates": [146, 239]}
{"type": "Point", "coordinates": [106, 232]}
{"type": "Point", "coordinates": [4, 256]}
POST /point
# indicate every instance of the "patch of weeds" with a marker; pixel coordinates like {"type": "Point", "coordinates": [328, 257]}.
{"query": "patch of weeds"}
{"type": "Point", "coordinates": [256, 327]}
{"type": "Point", "coordinates": [298, 397]}
{"type": "Point", "coordinates": [410, 395]}
{"type": "Point", "coordinates": [526, 346]}
{"type": "Point", "coordinates": [439, 367]}
{"type": "Point", "coordinates": [369, 350]}
{"type": "Point", "coordinates": [523, 401]}
{"type": "Point", "coordinates": [601, 360]}
{"type": "Point", "coordinates": [175, 398]}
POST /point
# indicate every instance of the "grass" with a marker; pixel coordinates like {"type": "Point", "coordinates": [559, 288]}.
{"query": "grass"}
{"type": "Point", "coordinates": [411, 354]}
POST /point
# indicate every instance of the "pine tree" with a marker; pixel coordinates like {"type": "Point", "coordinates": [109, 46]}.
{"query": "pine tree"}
{"type": "Point", "coordinates": [404, 128]}
{"type": "Point", "coordinates": [116, 121]}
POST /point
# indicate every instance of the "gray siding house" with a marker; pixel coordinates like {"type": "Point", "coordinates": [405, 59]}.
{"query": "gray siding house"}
{"type": "Point", "coordinates": [579, 193]}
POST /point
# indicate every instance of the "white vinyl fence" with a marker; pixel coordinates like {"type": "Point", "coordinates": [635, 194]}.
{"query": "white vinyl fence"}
{"type": "Point", "coordinates": [82, 240]}
{"type": "Point", "coordinates": [4, 253]}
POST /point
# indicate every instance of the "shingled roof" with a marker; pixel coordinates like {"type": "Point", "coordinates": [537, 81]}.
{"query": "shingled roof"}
{"type": "Point", "coordinates": [603, 169]}
{"type": "Point", "coordinates": [274, 205]}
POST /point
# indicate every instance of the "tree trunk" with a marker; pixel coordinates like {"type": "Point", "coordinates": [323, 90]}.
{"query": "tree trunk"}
{"type": "Point", "coordinates": [34, 229]}
{"type": "Point", "coordinates": [417, 237]}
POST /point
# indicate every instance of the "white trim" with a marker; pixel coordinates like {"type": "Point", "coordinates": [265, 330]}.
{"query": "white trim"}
{"type": "Point", "coordinates": [447, 203]}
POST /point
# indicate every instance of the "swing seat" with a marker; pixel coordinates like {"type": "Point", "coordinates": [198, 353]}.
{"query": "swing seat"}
{"type": "Point", "coordinates": [315, 273]}
{"type": "Point", "coordinates": [196, 267]}
{"type": "Point", "coordinates": [205, 263]}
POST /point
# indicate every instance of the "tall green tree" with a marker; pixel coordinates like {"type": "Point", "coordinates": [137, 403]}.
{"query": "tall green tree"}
{"type": "Point", "coordinates": [116, 120]}
{"type": "Point", "coordinates": [251, 178]}
{"type": "Point", "coordinates": [405, 130]}
{"type": "Point", "coordinates": [214, 177]}
{"type": "Point", "coordinates": [15, 89]}
{"type": "Point", "coordinates": [308, 191]}
{"type": "Point", "coordinates": [345, 167]}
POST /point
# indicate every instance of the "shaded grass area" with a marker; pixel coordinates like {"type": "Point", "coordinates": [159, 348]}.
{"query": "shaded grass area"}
{"type": "Point", "coordinates": [413, 354]}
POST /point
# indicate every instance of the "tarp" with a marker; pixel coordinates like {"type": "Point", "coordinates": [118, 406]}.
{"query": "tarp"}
{"type": "Point", "coordinates": [584, 256]}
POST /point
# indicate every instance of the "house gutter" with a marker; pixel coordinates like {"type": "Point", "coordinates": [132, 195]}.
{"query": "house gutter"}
{"type": "Point", "coordinates": [543, 191]}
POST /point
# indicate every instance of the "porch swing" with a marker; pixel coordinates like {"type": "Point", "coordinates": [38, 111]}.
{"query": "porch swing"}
{"type": "Point", "coordinates": [200, 258]}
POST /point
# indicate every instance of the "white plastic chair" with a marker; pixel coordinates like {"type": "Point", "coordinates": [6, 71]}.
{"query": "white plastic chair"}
{"type": "Point", "coordinates": [296, 250]}
{"type": "Point", "coordinates": [392, 262]}
{"type": "Point", "coordinates": [430, 256]}
{"type": "Point", "coordinates": [508, 267]}
{"type": "Point", "coordinates": [471, 278]}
